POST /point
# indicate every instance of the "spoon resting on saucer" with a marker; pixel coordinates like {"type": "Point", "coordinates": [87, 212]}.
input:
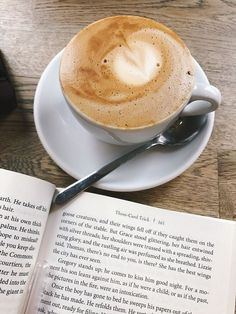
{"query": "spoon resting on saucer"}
{"type": "Point", "coordinates": [184, 130]}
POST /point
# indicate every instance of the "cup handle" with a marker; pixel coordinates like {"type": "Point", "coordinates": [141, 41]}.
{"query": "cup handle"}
{"type": "Point", "coordinates": [211, 96]}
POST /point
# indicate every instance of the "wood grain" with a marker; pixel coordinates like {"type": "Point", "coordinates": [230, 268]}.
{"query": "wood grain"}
{"type": "Point", "coordinates": [33, 31]}
{"type": "Point", "coordinates": [227, 183]}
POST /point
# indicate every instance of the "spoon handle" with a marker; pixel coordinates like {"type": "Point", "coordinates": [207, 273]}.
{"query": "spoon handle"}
{"type": "Point", "coordinates": [81, 185]}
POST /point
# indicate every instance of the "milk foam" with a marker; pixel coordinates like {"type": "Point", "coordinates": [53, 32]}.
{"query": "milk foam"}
{"type": "Point", "coordinates": [136, 63]}
{"type": "Point", "coordinates": [126, 72]}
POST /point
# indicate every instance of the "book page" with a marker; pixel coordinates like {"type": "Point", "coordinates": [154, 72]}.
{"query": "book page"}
{"type": "Point", "coordinates": [111, 256]}
{"type": "Point", "coordinates": [24, 207]}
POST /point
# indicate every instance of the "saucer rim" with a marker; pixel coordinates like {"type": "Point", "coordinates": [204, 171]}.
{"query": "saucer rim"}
{"type": "Point", "coordinates": [105, 185]}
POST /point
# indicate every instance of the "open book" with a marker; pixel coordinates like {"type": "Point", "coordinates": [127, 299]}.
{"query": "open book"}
{"type": "Point", "coordinates": [98, 254]}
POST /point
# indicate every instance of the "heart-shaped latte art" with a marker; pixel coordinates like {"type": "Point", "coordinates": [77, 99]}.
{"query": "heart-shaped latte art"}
{"type": "Point", "coordinates": [137, 63]}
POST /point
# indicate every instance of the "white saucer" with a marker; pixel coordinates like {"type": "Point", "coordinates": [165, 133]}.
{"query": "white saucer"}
{"type": "Point", "coordinates": [78, 153]}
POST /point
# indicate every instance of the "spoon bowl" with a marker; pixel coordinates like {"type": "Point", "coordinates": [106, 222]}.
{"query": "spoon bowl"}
{"type": "Point", "coordinates": [181, 132]}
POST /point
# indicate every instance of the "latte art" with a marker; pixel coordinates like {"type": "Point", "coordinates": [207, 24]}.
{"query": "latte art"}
{"type": "Point", "coordinates": [135, 64]}
{"type": "Point", "coordinates": [126, 72]}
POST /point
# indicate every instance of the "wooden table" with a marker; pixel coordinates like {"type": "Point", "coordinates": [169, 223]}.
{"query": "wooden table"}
{"type": "Point", "coordinates": [33, 31]}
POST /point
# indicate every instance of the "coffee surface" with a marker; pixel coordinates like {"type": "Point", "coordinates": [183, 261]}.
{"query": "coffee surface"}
{"type": "Point", "coordinates": [126, 72]}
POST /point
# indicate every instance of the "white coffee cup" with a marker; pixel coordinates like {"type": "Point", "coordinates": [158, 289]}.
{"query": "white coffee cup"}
{"type": "Point", "coordinates": [209, 95]}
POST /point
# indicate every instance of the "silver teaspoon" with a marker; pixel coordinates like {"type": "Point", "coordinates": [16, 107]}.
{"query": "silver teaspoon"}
{"type": "Point", "coordinates": [181, 132]}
